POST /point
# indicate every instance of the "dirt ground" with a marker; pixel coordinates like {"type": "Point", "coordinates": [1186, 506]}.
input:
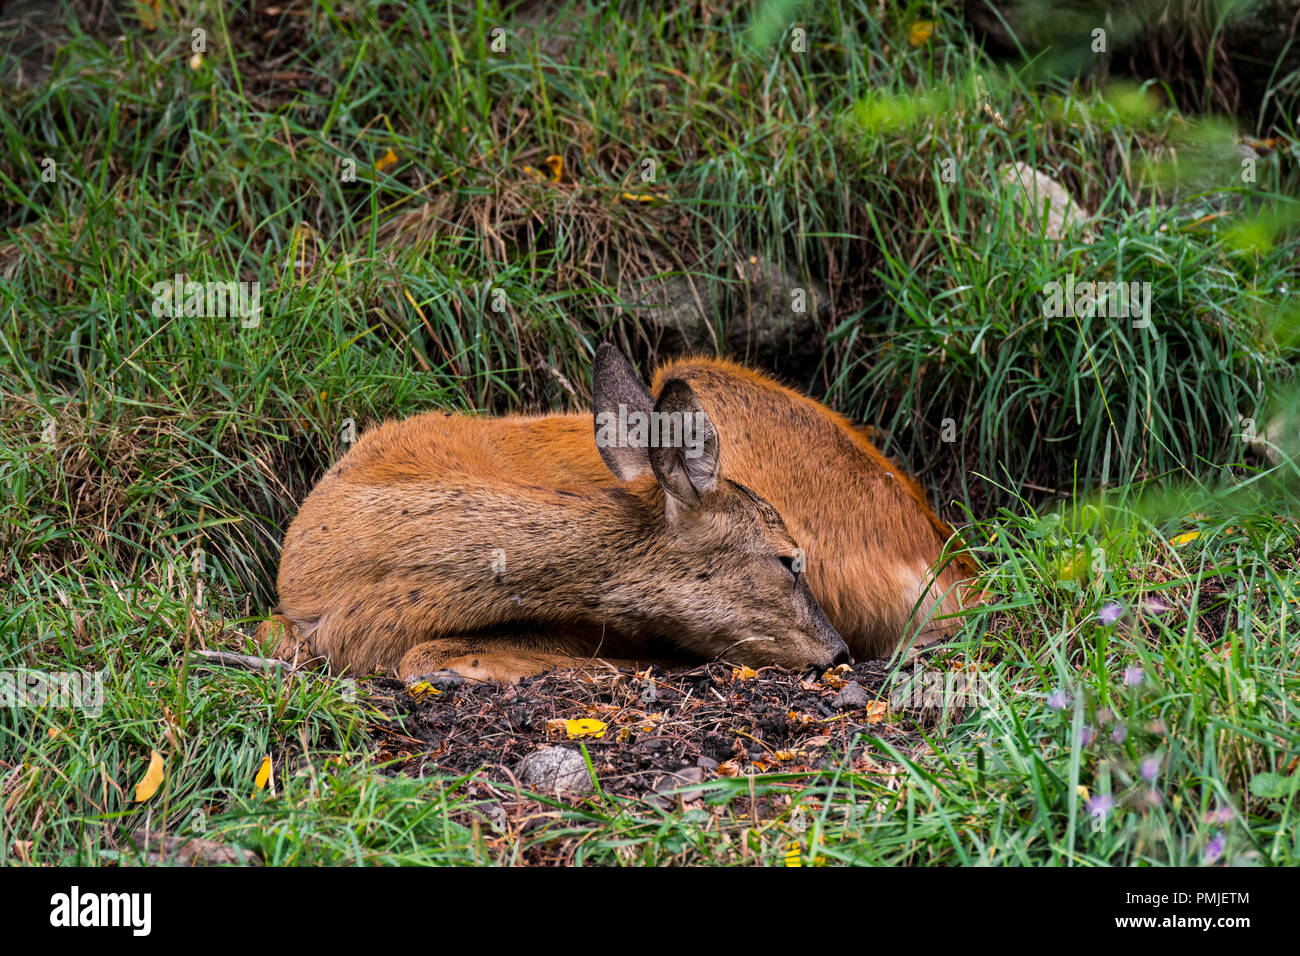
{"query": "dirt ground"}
{"type": "Point", "coordinates": [647, 733]}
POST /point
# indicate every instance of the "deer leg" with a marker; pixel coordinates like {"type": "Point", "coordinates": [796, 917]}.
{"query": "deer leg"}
{"type": "Point", "coordinates": [503, 657]}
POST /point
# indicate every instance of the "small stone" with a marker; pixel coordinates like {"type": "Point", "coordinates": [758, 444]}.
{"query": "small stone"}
{"type": "Point", "coordinates": [851, 696]}
{"type": "Point", "coordinates": [555, 770]}
{"type": "Point", "coordinates": [679, 778]}
{"type": "Point", "coordinates": [439, 680]}
{"type": "Point", "coordinates": [682, 777]}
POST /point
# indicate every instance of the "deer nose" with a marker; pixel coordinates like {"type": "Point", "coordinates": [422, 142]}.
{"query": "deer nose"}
{"type": "Point", "coordinates": [843, 657]}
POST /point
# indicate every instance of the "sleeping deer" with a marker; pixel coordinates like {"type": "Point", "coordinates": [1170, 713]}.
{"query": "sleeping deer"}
{"type": "Point", "coordinates": [500, 546]}
{"type": "Point", "coordinates": [706, 519]}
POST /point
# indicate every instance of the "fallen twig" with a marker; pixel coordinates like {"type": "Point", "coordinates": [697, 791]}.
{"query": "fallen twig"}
{"type": "Point", "coordinates": [246, 661]}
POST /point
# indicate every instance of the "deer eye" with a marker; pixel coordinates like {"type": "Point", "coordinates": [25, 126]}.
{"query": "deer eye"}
{"type": "Point", "coordinates": [787, 562]}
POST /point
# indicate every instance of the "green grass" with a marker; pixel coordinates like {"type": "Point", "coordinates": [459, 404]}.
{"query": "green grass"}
{"type": "Point", "coordinates": [130, 444]}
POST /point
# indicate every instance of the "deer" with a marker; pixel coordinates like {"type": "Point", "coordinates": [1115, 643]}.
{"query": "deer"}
{"type": "Point", "coordinates": [889, 573]}
{"type": "Point", "coordinates": [498, 547]}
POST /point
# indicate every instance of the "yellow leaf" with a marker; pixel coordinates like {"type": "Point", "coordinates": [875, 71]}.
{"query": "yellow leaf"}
{"type": "Point", "coordinates": [585, 728]}
{"type": "Point", "coordinates": [388, 159]}
{"type": "Point", "coordinates": [1075, 568]}
{"type": "Point", "coordinates": [152, 780]}
{"type": "Point", "coordinates": [793, 855]}
{"type": "Point", "coordinates": [263, 774]}
{"type": "Point", "coordinates": [423, 689]}
{"type": "Point", "coordinates": [1186, 538]}
{"type": "Point", "coordinates": [637, 197]}
{"type": "Point", "coordinates": [833, 679]}
{"type": "Point", "coordinates": [554, 166]}
{"type": "Point", "coordinates": [877, 711]}
{"type": "Point", "coordinates": [196, 61]}
{"type": "Point", "coordinates": [921, 31]}
{"type": "Point", "coordinates": [743, 673]}
{"type": "Point", "coordinates": [149, 13]}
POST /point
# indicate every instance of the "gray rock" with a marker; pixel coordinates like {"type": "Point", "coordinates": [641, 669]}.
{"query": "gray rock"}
{"type": "Point", "coordinates": [555, 770]}
{"type": "Point", "coordinates": [439, 680]}
{"type": "Point", "coordinates": [683, 777]}
{"type": "Point", "coordinates": [1043, 203]}
{"type": "Point", "coordinates": [851, 695]}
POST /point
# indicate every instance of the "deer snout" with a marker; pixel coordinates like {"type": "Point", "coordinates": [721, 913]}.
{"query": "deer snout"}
{"type": "Point", "coordinates": [837, 653]}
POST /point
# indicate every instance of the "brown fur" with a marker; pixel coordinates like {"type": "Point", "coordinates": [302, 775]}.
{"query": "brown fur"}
{"type": "Point", "coordinates": [389, 562]}
{"type": "Point", "coordinates": [872, 540]}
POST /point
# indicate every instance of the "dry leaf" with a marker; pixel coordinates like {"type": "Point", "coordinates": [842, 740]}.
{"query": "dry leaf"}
{"type": "Point", "coordinates": [553, 165]}
{"type": "Point", "coordinates": [877, 711]}
{"type": "Point", "coordinates": [149, 13]}
{"type": "Point", "coordinates": [832, 678]}
{"type": "Point", "coordinates": [263, 775]}
{"type": "Point", "coordinates": [388, 159]}
{"type": "Point", "coordinates": [423, 689]}
{"type": "Point", "coordinates": [743, 673]}
{"type": "Point", "coordinates": [1186, 538]}
{"type": "Point", "coordinates": [585, 728]}
{"type": "Point", "coordinates": [921, 32]}
{"type": "Point", "coordinates": [152, 780]}
{"type": "Point", "coordinates": [1076, 568]}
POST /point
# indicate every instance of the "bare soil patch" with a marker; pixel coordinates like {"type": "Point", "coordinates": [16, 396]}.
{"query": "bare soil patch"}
{"type": "Point", "coordinates": [646, 732]}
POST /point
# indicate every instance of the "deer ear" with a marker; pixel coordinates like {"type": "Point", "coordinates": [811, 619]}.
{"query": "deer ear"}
{"type": "Point", "coordinates": [686, 458]}
{"type": "Point", "coordinates": [615, 383]}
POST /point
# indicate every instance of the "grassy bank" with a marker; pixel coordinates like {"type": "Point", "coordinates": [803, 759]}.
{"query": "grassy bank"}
{"type": "Point", "coordinates": [443, 216]}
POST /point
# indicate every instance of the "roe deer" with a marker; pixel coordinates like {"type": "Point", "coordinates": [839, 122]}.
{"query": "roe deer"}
{"type": "Point", "coordinates": [497, 547]}
{"type": "Point", "coordinates": [874, 547]}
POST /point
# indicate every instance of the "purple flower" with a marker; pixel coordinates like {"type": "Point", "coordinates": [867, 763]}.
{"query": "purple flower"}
{"type": "Point", "coordinates": [1133, 676]}
{"type": "Point", "coordinates": [1110, 613]}
{"type": "Point", "coordinates": [1153, 605]}
{"type": "Point", "coordinates": [1099, 807]}
{"type": "Point", "coordinates": [1058, 700]}
{"type": "Point", "coordinates": [1219, 814]}
{"type": "Point", "coordinates": [1086, 735]}
{"type": "Point", "coordinates": [1119, 733]}
{"type": "Point", "coordinates": [1153, 797]}
{"type": "Point", "coordinates": [1150, 767]}
{"type": "Point", "coordinates": [1214, 849]}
